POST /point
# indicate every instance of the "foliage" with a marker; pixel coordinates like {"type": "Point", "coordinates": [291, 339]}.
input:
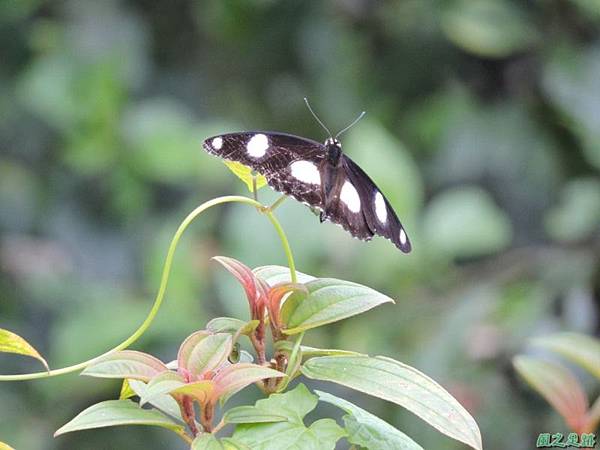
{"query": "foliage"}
{"type": "Point", "coordinates": [486, 111]}
{"type": "Point", "coordinates": [207, 372]}
{"type": "Point", "coordinates": [13, 343]}
{"type": "Point", "coordinates": [558, 385]}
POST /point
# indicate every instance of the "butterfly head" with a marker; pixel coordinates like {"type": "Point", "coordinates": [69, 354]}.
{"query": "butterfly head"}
{"type": "Point", "coordinates": [334, 150]}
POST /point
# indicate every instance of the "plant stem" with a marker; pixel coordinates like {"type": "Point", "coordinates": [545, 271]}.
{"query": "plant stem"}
{"type": "Point", "coordinates": [220, 425]}
{"type": "Point", "coordinates": [189, 414]}
{"type": "Point", "coordinates": [164, 280]}
{"type": "Point", "coordinates": [207, 414]}
{"type": "Point", "coordinates": [183, 435]}
{"type": "Point", "coordinates": [292, 364]}
{"type": "Point", "coordinates": [284, 243]}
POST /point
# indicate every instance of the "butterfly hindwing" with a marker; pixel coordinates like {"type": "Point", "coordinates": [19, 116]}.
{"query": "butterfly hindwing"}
{"type": "Point", "coordinates": [345, 207]}
{"type": "Point", "coordinates": [378, 213]}
{"type": "Point", "coordinates": [289, 163]}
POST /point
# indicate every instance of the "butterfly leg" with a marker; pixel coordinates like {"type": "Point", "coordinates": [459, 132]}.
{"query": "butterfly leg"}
{"type": "Point", "coordinates": [254, 190]}
{"type": "Point", "coordinates": [277, 202]}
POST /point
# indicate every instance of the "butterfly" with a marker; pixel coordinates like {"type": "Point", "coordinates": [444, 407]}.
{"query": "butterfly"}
{"type": "Point", "coordinates": [318, 175]}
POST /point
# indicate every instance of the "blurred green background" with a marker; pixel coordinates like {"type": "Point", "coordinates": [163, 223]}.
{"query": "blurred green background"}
{"type": "Point", "coordinates": [482, 128]}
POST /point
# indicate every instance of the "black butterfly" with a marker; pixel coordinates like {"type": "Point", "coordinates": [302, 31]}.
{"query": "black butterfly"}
{"type": "Point", "coordinates": [316, 174]}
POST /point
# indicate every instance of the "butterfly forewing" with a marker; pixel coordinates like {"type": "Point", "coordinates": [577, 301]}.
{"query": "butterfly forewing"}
{"type": "Point", "coordinates": [379, 215]}
{"type": "Point", "coordinates": [289, 163]}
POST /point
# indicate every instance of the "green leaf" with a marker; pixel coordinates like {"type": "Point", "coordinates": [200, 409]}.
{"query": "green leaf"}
{"type": "Point", "coordinates": [401, 384]}
{"type": "Point", "coordinates": [234, 326]}
{"type": "Point", "coordinates": [210, 442]}
{"type": "Point", "coordinates": [489, 28]}
{"type": "Point", "coordinates": [203, 352]}
{"type": "Point", "coordinates": [321, 435]}
{"type": "Point", "coordinates": [557, 385]}
{"type": "Point", "coordinates": [578, 348]}
{"type": "Point", "coordinates": [231, 325]}
{"type": "Point", "coordinates": [162, 139]}
{"type": "Point", "coordinates": [4, 446]}
{"type": "Point", "coordinates": [329, 300]}
{"type": "Point", "coordinates": [245, 357]}
{"type": "Point", "coordinates": [578, 214]}
{"type": "Point", "coordinates": [126, 364]}
{"type": "Point", "coordinates": [310, 352]}
{"type": "Point", "coordinates": [13, 343]}
{"type": "Point", "coordinates": [589, 8]}
{"type": "Point", "coordinates": [367, 430]}
{"type": "Point", "coordinates": [251, 414]}
{"type": "Point", "coordinates": [231, 444]}
{"type": "Point", "coordinates": [244, 173]}
{"type": "Point", "coordinates": [206, 441]}
{"type": "Point", "coordinates": [126, 390]}
{"type": "Point", "coordinates": [291, 434]}
{"type": "Point", "coordinates": [164, 403]}
{"type": "Point", "coordinates": [473, 224]}
{"type": "Point", "coordinates": [161, 384]}
{"type": "Point", "coordinates": [118, 412]}
{"type": "Point", "coordinates": [571, 81]}
{"type": "Point", "coordinates": [293, 405]}
{"type": "Point", "coordinates": [279, 274]}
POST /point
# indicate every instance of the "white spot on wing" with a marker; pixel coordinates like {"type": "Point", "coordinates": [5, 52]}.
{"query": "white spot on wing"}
{"type": "Point", "coordinates": [306, 172]}
{"type": "Point", "coordinates": [380, 208]}
{"type": "Point", "coordinates": [402, 236]}
{"type": "Point", "coordinates": [350, 197]}
{"type": "Point", "coordinates": [257, 145]}
{"type": "Point", "coordinates": [217, 143]}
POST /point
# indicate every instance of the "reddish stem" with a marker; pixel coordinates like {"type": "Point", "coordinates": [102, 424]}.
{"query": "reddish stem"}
{"type": "Point", "coordinates": [206, 416]}
{"type": "Point", "coordinates": [189, 414]}
{"type": "Point", "coordinates": [258, 341]}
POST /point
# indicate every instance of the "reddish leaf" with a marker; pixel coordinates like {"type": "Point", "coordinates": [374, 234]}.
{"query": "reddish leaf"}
{"type": "Point", "coordinates": [187, 346]}
{"type": "Point", "coordinates": [245, 276]}
{"type": "Point", "coordinates": [262, 301]}
{"type": "Point", "coordinates": [558, 386]}
{"type": "Point", "coordinates": [126, 364]}
{"type": "Point", "coordinates": [237, 376]}
{"type": "Point", "coordinates": [276, 295]}
{"type": "Point", "coordinates": [593, 417]}
{"type": "Point", "coordinates": [209, 354]}
{"type": "Point", "coordinates": [579, 348]}
{"type": "Point", "coordinates": [200, 390]}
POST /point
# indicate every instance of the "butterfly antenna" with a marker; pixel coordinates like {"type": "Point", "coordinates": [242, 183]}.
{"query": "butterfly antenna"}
{"type": "Point", "coordinates": [360, 116]}
{"type": "Point", "coordinates": [317, 117]}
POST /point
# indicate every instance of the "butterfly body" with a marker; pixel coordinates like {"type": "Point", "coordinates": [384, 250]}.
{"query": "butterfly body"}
{"type": "Point", "coordinates": [319, 175]}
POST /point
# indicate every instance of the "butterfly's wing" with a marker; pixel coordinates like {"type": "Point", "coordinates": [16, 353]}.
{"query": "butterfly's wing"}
{"type": "Point", "coordinates": [344, 207]}
{"type": "Point", "coordinates": [289, 163]}
{"type": "Point", "coordinates": [377, 211]}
